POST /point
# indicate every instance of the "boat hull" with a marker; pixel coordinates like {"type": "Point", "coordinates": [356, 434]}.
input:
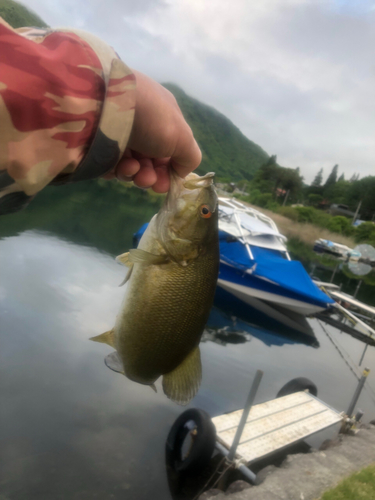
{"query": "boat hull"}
{"type": "Point", "coordinates": [253, 291]}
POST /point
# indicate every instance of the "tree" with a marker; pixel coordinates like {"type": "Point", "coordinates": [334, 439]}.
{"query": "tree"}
{"type": "Point", "coordinates": [314, 199]}
{"type": "Point", "coordinates": [332, 178]}
{"type": "Point", "coordinates": [341, 178]}
{"type": "Point", "coordinates": [318, 178]}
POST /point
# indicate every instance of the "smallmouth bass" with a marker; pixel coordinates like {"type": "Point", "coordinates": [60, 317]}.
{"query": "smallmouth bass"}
{"type": "Point", "coordinates": [171, 284]}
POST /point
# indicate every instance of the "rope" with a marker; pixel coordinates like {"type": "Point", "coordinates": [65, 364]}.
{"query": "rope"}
{"type": "Point", "coordinates": [208, 482]}
{"type": "Point", "coordinates": [339, 351]}
{"type": "Point", "coordinates": [221, 474]}
{"type": "Point", "coordinates": [367, 386]}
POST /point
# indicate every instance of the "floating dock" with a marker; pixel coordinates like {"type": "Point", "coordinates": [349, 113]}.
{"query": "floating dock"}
{"type": "Point", "coordinates": [275, 424]}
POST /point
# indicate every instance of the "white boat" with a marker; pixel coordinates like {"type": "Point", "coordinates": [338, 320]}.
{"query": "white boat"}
{"type": "Point", "coordinates": [337, 250]}
{"type": "Point", "coordinates": [255, 265]}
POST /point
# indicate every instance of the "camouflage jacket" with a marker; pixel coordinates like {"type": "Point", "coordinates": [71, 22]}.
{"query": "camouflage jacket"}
{"type": "Point", "coordinates": [66, 110]}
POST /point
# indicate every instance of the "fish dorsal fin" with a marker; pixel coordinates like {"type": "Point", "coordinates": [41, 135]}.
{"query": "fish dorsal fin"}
{"type": "Point", "coordinates": [106, 338]}
{"type": "Point", "coordinates": [114, 363]}
{"type": "Point", "coordinates": [182, 384]}
{"type": "Point", "coordinates": [138, 256]}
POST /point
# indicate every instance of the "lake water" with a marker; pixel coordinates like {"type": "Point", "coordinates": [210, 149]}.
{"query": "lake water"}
{"type": "Point", "coordinates": [69, 427]}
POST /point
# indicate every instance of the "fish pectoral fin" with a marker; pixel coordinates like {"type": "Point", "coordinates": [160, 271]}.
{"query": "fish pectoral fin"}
{"type": "Point", "coordinates": [127, 277]}
{"type": "Point", "coordinates": [124, 259]}
{"type": "Point", "coordinates": [182, 384]}
{"type": "Point", "coordinates": [105, 338]}
{"type": "Point", "coordinates": [153, 387]}
{"type": "Point", "coordinates": [138, 256]}
{"type": "Point", "coordinates": [114, 363]}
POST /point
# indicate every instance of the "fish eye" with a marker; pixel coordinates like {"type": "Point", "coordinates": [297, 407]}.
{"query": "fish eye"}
{"type": "Point", "coordinates": [205, 212]}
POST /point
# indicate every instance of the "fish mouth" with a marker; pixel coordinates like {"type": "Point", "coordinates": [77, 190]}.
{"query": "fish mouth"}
{"type": "Point", "coordinates": [194, 181]}
{"type": "Point", "coordinates": [180, 187]}
{"type": "Point", "coordinates": [191, 181]}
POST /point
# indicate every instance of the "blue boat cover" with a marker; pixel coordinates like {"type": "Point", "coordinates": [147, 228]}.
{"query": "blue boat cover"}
{"type": "Point", "coordinates": [289, 274]}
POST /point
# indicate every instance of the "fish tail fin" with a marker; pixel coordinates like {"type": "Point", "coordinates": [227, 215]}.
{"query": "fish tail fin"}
{"type": "Point", "coordinates": [182, 384]}
{"type": "Point", "coordinates": [106, 338]}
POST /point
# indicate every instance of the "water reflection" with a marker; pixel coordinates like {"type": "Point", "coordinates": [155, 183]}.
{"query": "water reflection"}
{"type": "Point", "coordinates": [230, 311]}
{"type": "Point", "coordinates": [72, 429]}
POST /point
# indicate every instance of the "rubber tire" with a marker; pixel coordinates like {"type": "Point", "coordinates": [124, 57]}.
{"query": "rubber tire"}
{"type": "Point", "coordinates": [204, 444]}
{"type": "Point", "coordinates": [297, 385]}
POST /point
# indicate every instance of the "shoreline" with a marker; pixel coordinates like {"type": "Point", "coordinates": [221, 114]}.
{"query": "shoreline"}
{"type": "Point", "coordinates": [308, 476]}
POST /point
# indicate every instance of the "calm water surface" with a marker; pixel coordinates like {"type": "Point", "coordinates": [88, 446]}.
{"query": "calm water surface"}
{"type": "Point", "coordinates": [69, 427]}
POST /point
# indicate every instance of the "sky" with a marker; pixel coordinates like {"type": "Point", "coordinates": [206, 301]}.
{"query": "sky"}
{"type": "Point", "coordinates": [296, 77]}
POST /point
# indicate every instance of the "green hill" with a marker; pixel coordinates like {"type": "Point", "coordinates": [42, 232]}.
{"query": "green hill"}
{"type": "Point", "coordinates": [18, 16]}
{"type": "Point", "coordinates": [225, 149]}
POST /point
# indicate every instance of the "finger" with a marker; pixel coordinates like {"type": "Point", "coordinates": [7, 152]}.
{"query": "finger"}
{"type": "Point", "coordinates": [162, 161]}
{"type": "Point", "coordinates": [146, 177]}
{"type": "Point", "coordinates": [187, 156]}
{"type": "Point", "coordinates": [162, 183]}
{"type": "Point", "coordinates": [127, 167]}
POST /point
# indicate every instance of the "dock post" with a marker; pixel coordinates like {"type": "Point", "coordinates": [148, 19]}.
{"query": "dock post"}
{"type": "Point", "coordinates": [358, 391]}
{"type": "Point", "coordinates": [334, 272]}
{"type": "Point", "coordinates": [363, 354]}
{"type": "Point", "coordinates": [245, 413]}
{"type": "Point", "coordinates": [357, 289]}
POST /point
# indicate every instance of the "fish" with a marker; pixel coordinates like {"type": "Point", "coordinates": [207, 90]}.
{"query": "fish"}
{"type": "Point", "coordinates": [171, 283]}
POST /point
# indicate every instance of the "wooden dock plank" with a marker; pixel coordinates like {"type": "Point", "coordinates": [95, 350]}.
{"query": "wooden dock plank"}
{"type": "Point", "coordinates": [229, 420]}
{"type": "Point", "coordinates": [276, 424]}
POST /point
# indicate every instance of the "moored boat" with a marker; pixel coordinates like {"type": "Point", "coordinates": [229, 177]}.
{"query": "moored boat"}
{"type": "Point", "coordinates": [255, 264]}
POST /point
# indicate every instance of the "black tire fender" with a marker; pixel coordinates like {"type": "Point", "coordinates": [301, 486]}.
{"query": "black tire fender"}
{"type": "Point", "coordinates": [296, 385]}
{"type": "Point", "coordinates": [203, 445]}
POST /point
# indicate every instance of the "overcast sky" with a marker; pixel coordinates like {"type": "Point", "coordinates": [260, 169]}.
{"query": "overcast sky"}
{"type": "Point", "coordinates": [296, 76]}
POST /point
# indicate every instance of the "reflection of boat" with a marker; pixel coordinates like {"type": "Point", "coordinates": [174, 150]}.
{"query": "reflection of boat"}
{"type": "Point", "coordinates": [271, 327]}
{"type": "Point", "coordinates": [225, 335]}
{"type": "Point", "coordinates": [255, 265]}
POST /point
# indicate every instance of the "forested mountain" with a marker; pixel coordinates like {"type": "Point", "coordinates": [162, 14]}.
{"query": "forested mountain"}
{"type": "Point", "coordinates": [18, 16]}
{"type": "Point", "coordinates": [225, 149]}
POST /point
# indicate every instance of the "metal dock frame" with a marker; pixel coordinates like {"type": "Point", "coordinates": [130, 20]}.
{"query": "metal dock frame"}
{"type": "Point", "coordinates": [272, 426]}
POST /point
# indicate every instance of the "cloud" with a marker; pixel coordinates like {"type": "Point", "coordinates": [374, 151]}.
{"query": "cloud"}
{"type": "Point", "coordinates": [297, 76]}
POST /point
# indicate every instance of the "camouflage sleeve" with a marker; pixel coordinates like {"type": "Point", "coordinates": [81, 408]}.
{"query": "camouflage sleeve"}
{"type": "Point", "coordinates": [66, 110]}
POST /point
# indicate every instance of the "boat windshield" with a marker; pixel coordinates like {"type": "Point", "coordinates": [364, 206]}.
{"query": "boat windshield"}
{"type": "Point", "coordinates": [250, 226]}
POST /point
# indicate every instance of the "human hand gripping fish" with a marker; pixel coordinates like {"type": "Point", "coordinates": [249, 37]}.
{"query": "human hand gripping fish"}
{"type": "Point", "coordinates": [171, 284]}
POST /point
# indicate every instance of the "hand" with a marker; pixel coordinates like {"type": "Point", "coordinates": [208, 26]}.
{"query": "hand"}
{"type": "Point", "coordinates": [160, 139]}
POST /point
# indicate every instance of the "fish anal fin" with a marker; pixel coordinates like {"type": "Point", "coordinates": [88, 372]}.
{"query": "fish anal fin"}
{"type": "Point", "coordinates": [106, 338]}
{"type": "Point", "coordinates": [124, 259]}
{"type": "Point", "coordinates": [138, 256]}
{"type": "Point", "coordinates": [182, 384]}
{"type": "Point", "coordinates": [114, 363]}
